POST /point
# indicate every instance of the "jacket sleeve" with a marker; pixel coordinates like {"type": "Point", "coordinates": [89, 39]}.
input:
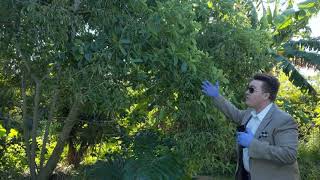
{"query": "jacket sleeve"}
{"type": "Point", "coordinates": [285, 149]}
{"type": "Point", "coordinates": [229, 109]}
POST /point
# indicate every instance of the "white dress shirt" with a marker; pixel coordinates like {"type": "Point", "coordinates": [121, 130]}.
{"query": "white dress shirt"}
{"type": "Point", "coordinates": [253, 125]}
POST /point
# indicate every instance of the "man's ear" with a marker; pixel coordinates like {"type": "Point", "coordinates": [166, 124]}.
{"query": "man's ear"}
{"type": "Point", "coordinates": [266, 96]}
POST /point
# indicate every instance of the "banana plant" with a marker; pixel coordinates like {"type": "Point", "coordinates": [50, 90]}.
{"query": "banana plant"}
{"type": "Point", "coordinates": [284, 26]}
{"type": "Point", "coordinates": [304, 52]}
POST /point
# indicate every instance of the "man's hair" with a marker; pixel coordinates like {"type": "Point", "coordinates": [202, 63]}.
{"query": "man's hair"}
{"type": "Point", "coordinates": [270, 84]}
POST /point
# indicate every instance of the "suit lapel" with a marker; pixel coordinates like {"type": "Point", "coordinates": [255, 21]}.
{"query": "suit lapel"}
{"type": "Point", "coordinates": [266, 120]}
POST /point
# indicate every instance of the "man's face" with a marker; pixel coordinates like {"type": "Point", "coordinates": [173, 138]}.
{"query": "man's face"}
{"type": "Point", "coordinates": [255, 96]}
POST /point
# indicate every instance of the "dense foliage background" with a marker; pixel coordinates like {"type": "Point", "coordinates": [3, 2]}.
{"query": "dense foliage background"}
{"type": "Point", "coordinates": [111, 89]}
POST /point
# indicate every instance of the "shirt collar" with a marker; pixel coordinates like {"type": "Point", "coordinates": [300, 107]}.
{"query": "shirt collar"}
{"type": "Point", "coordinates": [263, 113]}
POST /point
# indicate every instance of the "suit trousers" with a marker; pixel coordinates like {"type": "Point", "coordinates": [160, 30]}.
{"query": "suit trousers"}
{"type": "Point", "coordinates": [246, 175]}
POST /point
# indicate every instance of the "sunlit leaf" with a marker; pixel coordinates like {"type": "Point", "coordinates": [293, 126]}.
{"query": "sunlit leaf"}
{"type": "Point", "coordinates": [285, 24]}
{"type": "Point", "coordinates": [2, 131]}
{"type": "Point", "coordinates": [285, 19]}
{"type": "Point", "coordinates": [210, 4]}
{"type": "Point", "coordinates": [13, 133]}
{"type": "Point", "coordinates": [307, 4]}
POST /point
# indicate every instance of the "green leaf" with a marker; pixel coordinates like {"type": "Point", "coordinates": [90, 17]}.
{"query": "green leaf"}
{"type": "Point", "coordinates": [285, 24]}
{"type": "Point", "coordinates": [263, 22]}
{"type": "Point", "coordinates": [123, 51]}
{"type": "Point", "coordinates": [307, 4]}
{"type": "Point", "coordinates": [153, 24]}
{"type": "Point", "coordinates": [210, 4]}
{"type": "Point", "coordinates": [269, 14]}
{"type": "Point", "coordinates": [302, 14]}
{"type": "Point", "coordinates": [254, 15]}
{"type": "Point", "coordinates": [175, 61]}
{"type": "Point", "coordinates": [276, 8]}
{"type": "Point", "coordinates": [184, 67]}
{"type": "Point", "coordinates": [161, 114]}
{"type": "Point", "coordinates": [125, 41]}
{"type": "Point", "coordinates": [2, 131]}
{"type": "Point", "coordinates": [137, 60]}
{"type": "Point", "coordinates": [87, 56]}
{"type": "Point", "coordinates": [285, 19]}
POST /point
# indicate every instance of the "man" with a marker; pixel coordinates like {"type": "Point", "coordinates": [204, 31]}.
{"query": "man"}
{"type": "Point", "coordinates": [267, 147]}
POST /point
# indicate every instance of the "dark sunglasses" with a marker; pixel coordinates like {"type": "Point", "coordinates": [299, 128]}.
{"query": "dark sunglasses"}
{"type": "Point", "coordinates": [251, 90]}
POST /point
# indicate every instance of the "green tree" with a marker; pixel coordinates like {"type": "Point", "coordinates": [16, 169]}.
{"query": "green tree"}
{"type": "Point", "coordinates": [56, 61]}
{"type": "Point", "coordinates": [70, 58]}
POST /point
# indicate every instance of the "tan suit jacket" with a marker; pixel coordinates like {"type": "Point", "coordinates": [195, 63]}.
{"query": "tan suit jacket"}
{"type": "Point", "coordinates": [273, 151]}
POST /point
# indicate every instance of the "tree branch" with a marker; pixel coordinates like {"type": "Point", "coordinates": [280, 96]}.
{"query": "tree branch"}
{"type": "Point", "coordinates": [48, 124]}
{"type": "Point", "coordinates": [35, 121]}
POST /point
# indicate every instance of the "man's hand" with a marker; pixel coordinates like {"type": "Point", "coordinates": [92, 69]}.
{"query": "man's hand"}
{"type": "Point", "coordinates": [245, 138]}
{"type": "Point", "coordinates": [209, 89]}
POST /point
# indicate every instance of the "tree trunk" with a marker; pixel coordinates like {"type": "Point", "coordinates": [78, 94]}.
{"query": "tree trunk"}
{"type": "Point", "coordinates": [26, 127]}
{"type": "Point", "coordinates": [35, 126]}
{"type": "Point", "coordinates": [64, 135]}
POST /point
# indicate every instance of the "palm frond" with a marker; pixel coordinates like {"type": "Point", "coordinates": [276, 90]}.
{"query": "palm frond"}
{"type": "Point", "coordinates": [146, 162]}
{"type": "Point", "coordinates": [269, 13]}
{"type": "Point", "coordinates": [303, 52]}
{"type": "Point", "coordinates": [276, 8]}
{"type": "Point", "coordinates": [302, 58]}
{"type": "Point", "coordinates": [294, 76]}
{"type": "Point", "coordinates": [110, 168]}
{"type": "Point", "coordinates": [165, 167]}
{"type": "Point", "coordinates": [264, 24]}
{"type": "Point", "coordinates": [306, 44]}
{"type": "Point", "coordinates": [148, 167]}
{"type": "Point", "coordinates": [309, 4]}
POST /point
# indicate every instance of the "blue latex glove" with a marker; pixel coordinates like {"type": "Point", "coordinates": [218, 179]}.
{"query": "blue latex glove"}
{"type": "Point", "coordinates": [209, 89]}
{"type": "Point", "coordinates": [245, 138]}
